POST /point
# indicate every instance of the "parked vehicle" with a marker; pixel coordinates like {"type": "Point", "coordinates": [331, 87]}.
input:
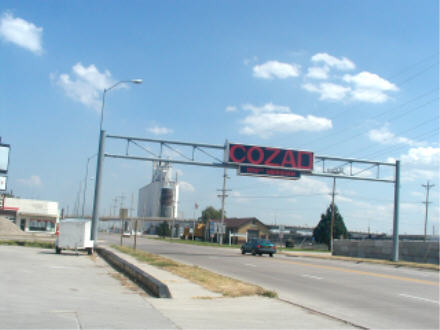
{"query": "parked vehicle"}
{"type": "Point", "coordinates": [198, 234]}
{"type": "Point", "coordinates": [259, 246]}
{"type": "Point", "coordinates": [73, 234]}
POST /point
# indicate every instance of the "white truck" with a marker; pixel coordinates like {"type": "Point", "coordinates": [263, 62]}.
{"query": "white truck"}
{"type": "Point", "coordinates": [74, 234]}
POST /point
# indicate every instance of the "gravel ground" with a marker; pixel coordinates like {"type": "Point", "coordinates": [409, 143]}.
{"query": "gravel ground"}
{"type": "Point", "coordinates": [9, 228]}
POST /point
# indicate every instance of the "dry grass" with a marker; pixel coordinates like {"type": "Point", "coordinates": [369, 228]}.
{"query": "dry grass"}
{"type": "Point", "coordinates": [224, 285]}
{"type": "Point", "coordinates": [38, 244]}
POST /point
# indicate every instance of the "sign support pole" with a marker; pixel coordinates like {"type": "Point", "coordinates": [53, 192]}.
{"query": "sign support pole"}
{"type": "Point", "coordinates": [396, 213]}
{"type": "Point", "coordinates": [100, 161]}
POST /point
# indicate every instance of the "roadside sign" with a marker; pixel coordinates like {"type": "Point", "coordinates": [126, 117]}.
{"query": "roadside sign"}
{"type": "Point", "coordinates": [269, 172]}
{"type": "Point", "coordinates": [4, 157]}
{"type": "Point", "coordinates": [268, 157]}
{"type": "Point", "coordinates": [2, 183]}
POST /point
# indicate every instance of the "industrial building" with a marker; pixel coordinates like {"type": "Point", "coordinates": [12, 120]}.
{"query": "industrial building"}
{"type": "Point", "coordinates": [29, 214]}
{"type": "Point", "coordinates": [159, 198]}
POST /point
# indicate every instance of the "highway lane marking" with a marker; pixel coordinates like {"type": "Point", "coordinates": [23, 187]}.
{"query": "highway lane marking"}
{"type": "Point", "coordinates": [360, 272]}
{"type": "Point", "coordinates": [419, 298]}
{"type": "Point", "coordinates": [250, 265]}
{"type": "Point", "coordinates": [312, 276]}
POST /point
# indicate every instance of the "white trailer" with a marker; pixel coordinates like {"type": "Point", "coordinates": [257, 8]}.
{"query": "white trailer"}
{"type": "Point", "coordinates": [74, 234]}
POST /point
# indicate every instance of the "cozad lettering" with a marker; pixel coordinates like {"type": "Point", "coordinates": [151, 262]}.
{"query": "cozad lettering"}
{"type": "Point", "coordinates": [274, 157]}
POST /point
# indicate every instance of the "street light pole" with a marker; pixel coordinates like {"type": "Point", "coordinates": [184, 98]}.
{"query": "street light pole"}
{"type": "Point", "coordinates": [100, 160]}
{"type": "Point", "coordinates": [133, 81]}
{"type": "Point", "coordinates": [85, 184]}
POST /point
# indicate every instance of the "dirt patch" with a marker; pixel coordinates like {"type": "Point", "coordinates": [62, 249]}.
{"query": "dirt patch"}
{"type": "Point", "coordinates": [9, 228]}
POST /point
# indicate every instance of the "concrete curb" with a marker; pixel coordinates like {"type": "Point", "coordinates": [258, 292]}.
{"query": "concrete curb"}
{"type": "Point", "coordinates": [146, 281]}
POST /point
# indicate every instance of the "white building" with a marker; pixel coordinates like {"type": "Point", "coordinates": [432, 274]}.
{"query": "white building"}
{"type": "Point", "coordinates": [160, 197]}
{"type": "Point", "coordinates": [31, 215]}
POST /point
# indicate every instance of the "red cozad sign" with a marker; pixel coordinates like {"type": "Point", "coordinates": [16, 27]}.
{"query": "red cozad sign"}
{"type": "Point", "coordinates": [270, 157]}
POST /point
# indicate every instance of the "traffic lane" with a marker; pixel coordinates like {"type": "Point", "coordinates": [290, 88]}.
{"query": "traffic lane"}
{"type": "Point", "coordinates": [193, 250]}
{"type": "Point", "coordinates": [420, 273]}
{"type": "Point", "coordinates": [43, 290]}
{"type": "Point", "coordinates": [366, 302]}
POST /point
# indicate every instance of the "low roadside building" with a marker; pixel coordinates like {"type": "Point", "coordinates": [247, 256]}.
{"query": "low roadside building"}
{"type": "Point", "coordinates": [31, 215]}
{"type": "Point", "coordinates": [239, 228]}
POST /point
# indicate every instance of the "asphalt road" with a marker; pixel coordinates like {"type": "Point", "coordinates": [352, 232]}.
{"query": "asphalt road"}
{"type": "Point", "coordinates": [368, 295]}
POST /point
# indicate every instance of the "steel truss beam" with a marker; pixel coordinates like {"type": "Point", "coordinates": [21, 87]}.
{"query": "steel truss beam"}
{"type": "Point", "coordinates": [332, 167]}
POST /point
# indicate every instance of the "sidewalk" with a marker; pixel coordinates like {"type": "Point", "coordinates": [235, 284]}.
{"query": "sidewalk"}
{"type": "Point", "coordinates": [193, 307]}
{"type": "Point", "coordinates": [43, 290]}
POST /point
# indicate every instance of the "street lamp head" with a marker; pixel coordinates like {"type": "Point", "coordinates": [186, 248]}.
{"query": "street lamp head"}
{"type": "Point", "coordinates": [136, 81]}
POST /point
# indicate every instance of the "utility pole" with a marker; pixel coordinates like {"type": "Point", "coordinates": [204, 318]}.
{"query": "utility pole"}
{"type": "Point", "coordinates": [332, 224]}
{"type": "Point", "coordinates": [121, 204]}
{"type": "Point", "coordinates": [115, 206]}
{"type": "Point", "coordinates": [223, 196]}
{"type": "Point", "coordinates": [427, 186]}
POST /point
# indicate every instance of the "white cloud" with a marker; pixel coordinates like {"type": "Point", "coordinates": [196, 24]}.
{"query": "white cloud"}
{"type": "Point", "coordinates": [231, 108]}
{"type": "Point", "coordinates": [250, 60]}
{"type": "Point", "coordinates": [369, 87]}
{"type": "Point", "coordinates": [304, 186]}
{"type": "Point", "coordinates": [157, 130]}
{"type": "Point", "coordinates": [268, 107]}
{"type": "Point", "coordinates": [275, 69]}
{"type": "Point", "coordinates": [417, 174]}
{"type": "Point", "coordinates": [422, 156]}
{"type": "Point", "coordinates": [186, 186]}
{"type": "Point", "coordinates": [384, 136]}
{"type": "Point", "coordinates": [369, 95]}
{"type": "Point", "coordinates": [33, 181]}
{"type": "Point", "coordinates": [317, 72]}
{"type": "Point", "coordinates": [86, 84]}
{"type": "Point", "coordinates": [328, 91]}
{"type": "Point", "coordinates": [368, 80]}
{"type": "Point", "coordinates": [22, 33]}
{"type": "Point", "coordinates": [269, 119]}
{"type": "Point", "coordinates": [340, 64]}
{"type": "Point", "coordinates": [236, 195]}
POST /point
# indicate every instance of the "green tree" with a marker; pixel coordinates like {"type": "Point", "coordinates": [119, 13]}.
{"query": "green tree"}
{"type": "Point", "coordinates": [210, 213]}
{"type": "Point", "coordinates": [164, 229]}
{"type": "Point", "coordinates": [321, 233]}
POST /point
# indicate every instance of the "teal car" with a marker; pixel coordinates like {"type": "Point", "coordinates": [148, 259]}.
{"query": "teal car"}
{"type": "Point", "coordinates": [259, 246]}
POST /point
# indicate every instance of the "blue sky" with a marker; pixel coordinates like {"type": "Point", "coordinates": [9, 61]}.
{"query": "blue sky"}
{"type": "Point", "coordinates": [351, 79]}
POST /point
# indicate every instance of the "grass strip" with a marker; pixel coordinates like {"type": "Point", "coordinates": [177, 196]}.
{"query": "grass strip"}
{"type": "Point", "coordinates": [233, 246]}
{"type": "Point", "coordinates": [38, 244]}
{"type": "Point", "coordinates": [195, 242]}
{"type": "Point", "coordinates": [224, 285]}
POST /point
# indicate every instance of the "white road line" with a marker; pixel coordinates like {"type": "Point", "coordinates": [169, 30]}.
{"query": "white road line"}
{"type": "Point", "coordinates": [312, 276]}
{"type": "Point", "coordinates": [250, 265]}
{"type": "Point", "coordinates": [419, 298]}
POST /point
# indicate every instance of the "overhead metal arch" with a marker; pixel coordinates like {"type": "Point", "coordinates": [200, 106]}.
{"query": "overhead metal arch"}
{"type": "Point", "coordinates": [212, 155]}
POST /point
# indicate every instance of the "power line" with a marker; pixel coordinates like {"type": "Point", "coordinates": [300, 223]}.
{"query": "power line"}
{"type": "Point", "coordinates": [420, 72]}
{"type": "Point", "coordinates": [406, 131]}
{"type": "Point", "coordinates": [395, 148]}
{"type": "Point", "coordinates": [362, 133]}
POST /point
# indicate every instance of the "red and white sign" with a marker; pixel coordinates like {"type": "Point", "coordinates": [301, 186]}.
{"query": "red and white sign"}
{"type": "Point", "coordinates": [269, 157]}
{"type": "Point", "coordinates": [2, 183]}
